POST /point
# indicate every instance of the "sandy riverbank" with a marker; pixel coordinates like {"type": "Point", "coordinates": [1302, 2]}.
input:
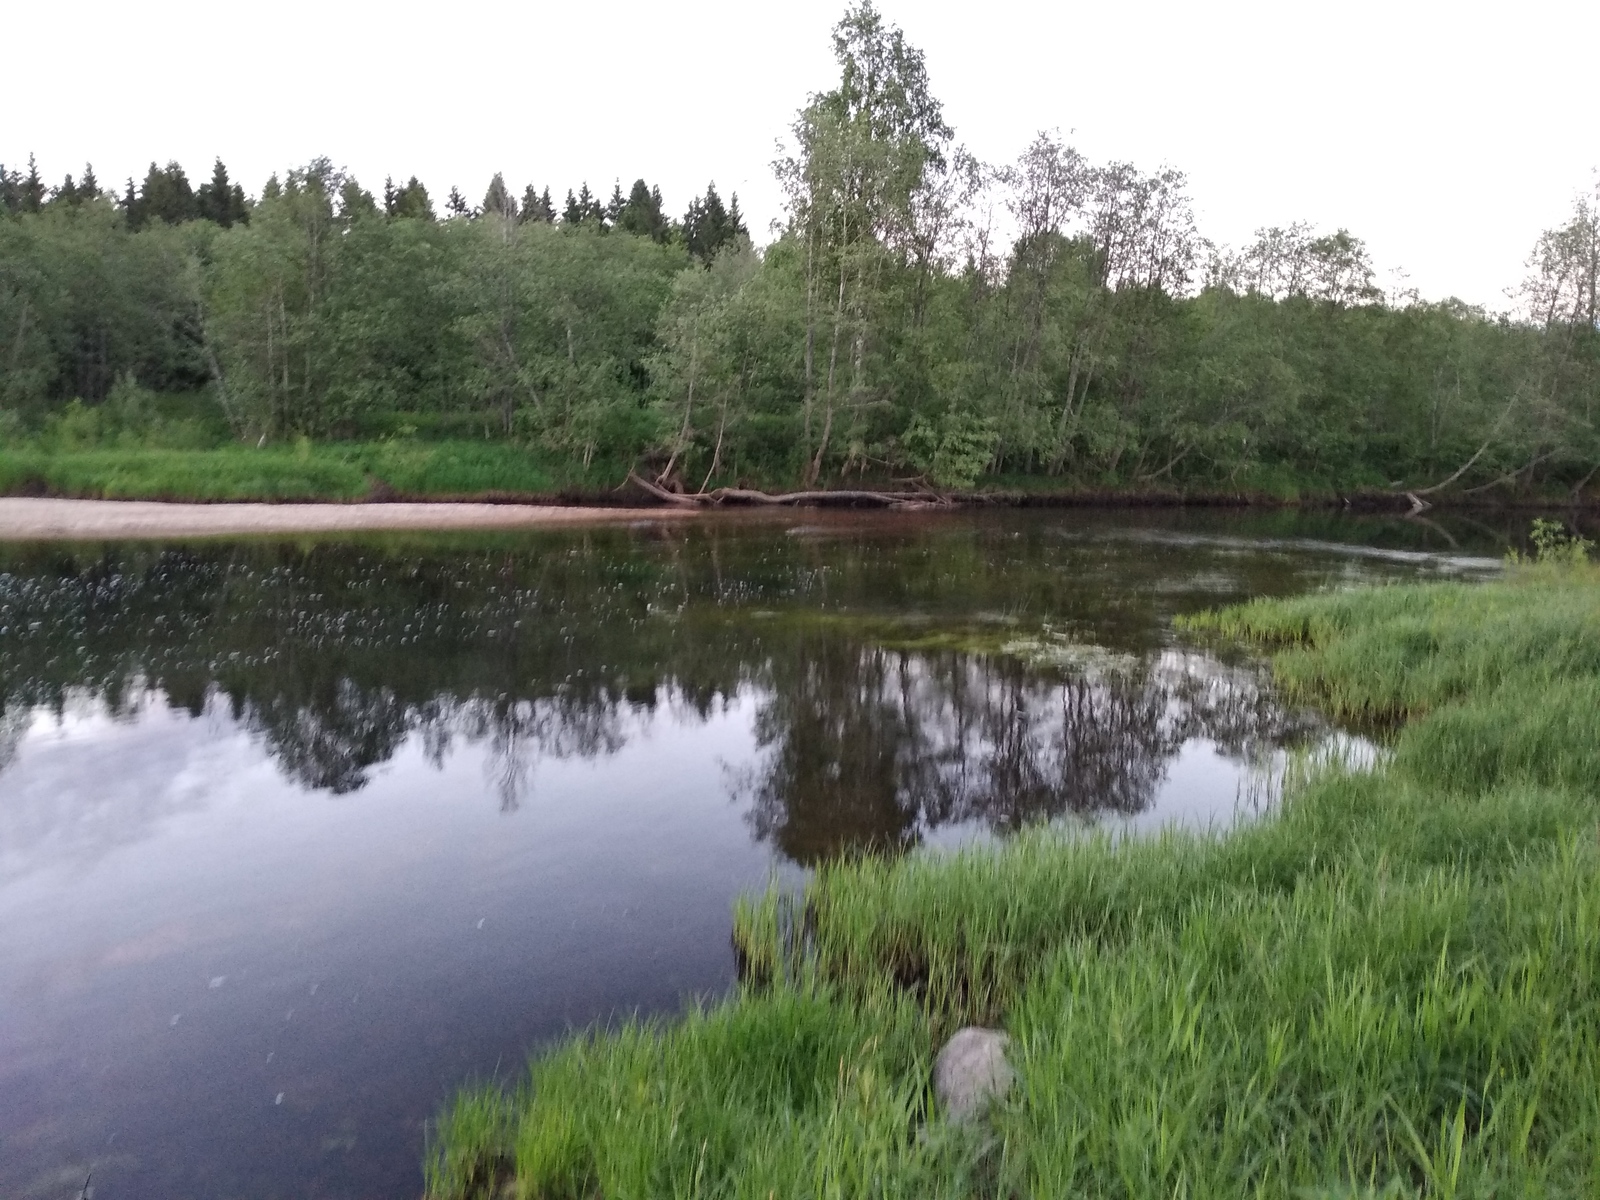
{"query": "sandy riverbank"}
{"type": "Point", "coordinates": [23, 518]}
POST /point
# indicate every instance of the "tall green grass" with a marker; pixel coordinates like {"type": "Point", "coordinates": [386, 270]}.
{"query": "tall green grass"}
{"type": "Point", "coordinates": [307, 471]}
{"type": "Point", "coordinates": [1391, 988]}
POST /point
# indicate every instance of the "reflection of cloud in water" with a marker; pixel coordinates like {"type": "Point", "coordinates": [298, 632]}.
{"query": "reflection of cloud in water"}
{"type": "Point", "coordinates": [144, 771]}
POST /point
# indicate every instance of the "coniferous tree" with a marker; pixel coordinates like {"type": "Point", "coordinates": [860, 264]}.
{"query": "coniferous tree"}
{"type": "Point", "coordinates": [456, 204]}
{"type": "Point", "coordinates": [355, 201]}
{"type": "Point", "coordinates": [89, 186]}
{"type": "Point", "coordinates": [130, 206]}
{"type": "Point", "coordinates": [10, 189]}
{"type": "Point", "coordinates": [33, 189]}
{"type": "Point", "coordinates": [582, 207]}
{"type": "Point", "coordinates": [66, 194]}
{"type": "Point", "coordinates": [537, 206]}
{"type": "Point", "coordinates": [614, 206]}
{"type": "Point", "coordinates": [409, 201]}
{"type": "Point", "coordinates": [221, 200]}
{"type": "Point", "coordinates": [641, 213]}
{"type": "Point", "coordinates": [498, 199]}
{"type": "Point", "coordinates": [165, 196]}
{"type": "Point", "coordinates": [708, 226]}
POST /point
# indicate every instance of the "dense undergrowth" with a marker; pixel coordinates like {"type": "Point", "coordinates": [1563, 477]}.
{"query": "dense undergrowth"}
{"type": "Point", "coordinates": [1391, 988]}
{"type": "Point", "coordinates": [298, 471]}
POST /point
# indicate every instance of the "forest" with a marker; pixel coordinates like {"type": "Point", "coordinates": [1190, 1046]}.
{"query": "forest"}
{"type": "Point", "coordinates": [916, 317]}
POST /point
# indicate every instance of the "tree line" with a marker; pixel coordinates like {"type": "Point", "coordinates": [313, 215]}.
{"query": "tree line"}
{"type": "Point", "coordinates": [918, 315]}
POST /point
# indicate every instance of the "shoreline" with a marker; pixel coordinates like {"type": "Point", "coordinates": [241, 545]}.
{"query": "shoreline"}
{"type": "Point", "coordinates": [62, 518]}
{"type": "Point", "coordinates": [50, 519]}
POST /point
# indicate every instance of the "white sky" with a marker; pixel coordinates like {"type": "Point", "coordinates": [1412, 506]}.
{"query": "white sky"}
{"type": "Point", "coordinates": [1445, 134]}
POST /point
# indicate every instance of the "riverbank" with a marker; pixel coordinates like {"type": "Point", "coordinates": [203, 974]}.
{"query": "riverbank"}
{"type": "Point", "coordinates": [24, 519]}
{"type": "Point", "coordinates": [1390, 988]}
{"type": "Point", "coordinates": [502, 473]}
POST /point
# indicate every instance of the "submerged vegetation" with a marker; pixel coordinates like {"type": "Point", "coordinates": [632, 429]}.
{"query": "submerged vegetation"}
{"type": "Point", "coordinates": [918, 318]}
{"type": "Point", "coordinates": [1390, 988]}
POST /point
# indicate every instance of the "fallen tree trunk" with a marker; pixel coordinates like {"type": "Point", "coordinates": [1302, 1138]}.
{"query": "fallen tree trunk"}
{"type": "Point", "coordinates": [726, 495]}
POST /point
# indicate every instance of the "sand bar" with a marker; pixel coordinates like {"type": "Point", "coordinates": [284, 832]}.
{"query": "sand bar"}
{"type": "Point", "coordinates": [28, 519]}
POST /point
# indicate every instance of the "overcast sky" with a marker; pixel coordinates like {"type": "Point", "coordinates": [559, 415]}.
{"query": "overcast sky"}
{"type": "Point", "coordinates": [1445, 134]}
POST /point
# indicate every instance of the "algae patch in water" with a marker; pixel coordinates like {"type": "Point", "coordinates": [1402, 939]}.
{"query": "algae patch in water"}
{"type": "Point", "coordinates": [1061, 653]}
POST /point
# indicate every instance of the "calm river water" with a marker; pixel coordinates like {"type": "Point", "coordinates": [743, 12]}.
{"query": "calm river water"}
{"type": "Point", "coordinates": [297, 836]}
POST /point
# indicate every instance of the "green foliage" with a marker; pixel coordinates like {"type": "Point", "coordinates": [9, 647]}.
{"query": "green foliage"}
{"type": "Point", "coordinates": [953, 451]}
{"type": "Point", "coordinates": [304, 470]}
{"type": "Point", "coordinates": [132, 417]}
{"type": "Point", "coordinates": [1553, 544]}
{"type": "Point", "coordinates": [1389, 988]}
{"type": "Point", "coordinates": [1099, 343]}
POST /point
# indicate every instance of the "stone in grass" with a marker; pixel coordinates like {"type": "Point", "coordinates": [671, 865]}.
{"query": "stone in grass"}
{"type": "Point", "coordinates": [970, 1072]}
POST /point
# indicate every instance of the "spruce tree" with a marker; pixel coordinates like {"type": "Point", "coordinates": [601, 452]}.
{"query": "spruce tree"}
{"type": "Point", "coordinates": [498, 200]}
{"type": "Point", "coordinates": [412, 201]}
{"type": "Point", "coordinates": [33, 189]}
{"type": "Point", "coordinates": [642, 215]}
{"type": "Point", "coordinates": [166, 196]}
{"type": "Point", "coordinates": [355, 201]}
{"type": "Point", "coordinates": [572, 214]}
{"type": "Point", "coordinates": [220, 200]}
{"type": "Point", "coordinates": [536, 207]}
{"type": "Point", "coordinates": [89, 186]}
{"type": "Point", "coordinates": [708, 226]}
{"type": "Point", "coordinates": [585, 207]}
{"type": "Point", "coordinates": [10, 189]}
{"type": "Point", "coordinates": [131, 212]}
{"type": "Point", "coordinates": [66, 194]}
{"type": "Point", "coordinates": [614, 206]}
{"type": "Point", "coordinates": [456, 204]}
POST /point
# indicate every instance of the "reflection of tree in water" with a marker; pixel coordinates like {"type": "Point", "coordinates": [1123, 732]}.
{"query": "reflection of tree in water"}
{"type": "Point", "coordinates": [336, 655]}
{"type": "Point", "coordinates": [520, 733]}
{"type": "Point", "coordinates": [839, 757]}
{"type": "Point", "coordinates": [14, 722]}
{"type": "Point", "coordinates": [330, 741]}
{"type": "Point", "coordinates": [868, 748]}
{"type": "Point", "coordinates": [1235, 707]}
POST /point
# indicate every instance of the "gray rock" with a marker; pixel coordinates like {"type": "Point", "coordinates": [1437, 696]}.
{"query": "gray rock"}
{"type": "Point", "coordinates": [970, 1072]}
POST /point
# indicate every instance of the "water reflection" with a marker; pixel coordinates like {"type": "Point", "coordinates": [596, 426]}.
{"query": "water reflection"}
{"type": "Point", "coordinates": [889, 702]}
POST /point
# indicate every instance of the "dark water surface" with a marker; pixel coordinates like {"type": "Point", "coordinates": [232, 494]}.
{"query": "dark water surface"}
{"type": "Point", "coordinates": [297, 836]}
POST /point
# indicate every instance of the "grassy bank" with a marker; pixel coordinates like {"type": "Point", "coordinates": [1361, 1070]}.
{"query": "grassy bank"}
{"type": "Point", "coordinates": [1390, 989]}
{"type": "Point", "coordinates": [303, 471]}
{"type": "Point", "coordinates": [475, 468]}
